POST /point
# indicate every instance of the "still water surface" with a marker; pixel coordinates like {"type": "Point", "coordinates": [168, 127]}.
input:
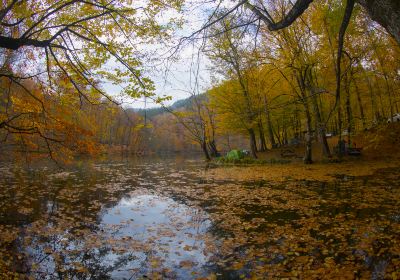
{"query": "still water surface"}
{"type": "Point", "coordinates": [162, 218]}
{"type": "Point", "coordinates": [105, 220]}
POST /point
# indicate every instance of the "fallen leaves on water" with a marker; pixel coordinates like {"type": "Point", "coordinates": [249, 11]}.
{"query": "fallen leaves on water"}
{"type": "Point", "coordinates": [253, 228]}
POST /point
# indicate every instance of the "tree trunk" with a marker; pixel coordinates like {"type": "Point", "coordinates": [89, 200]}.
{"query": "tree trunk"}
{"type": "Point", "coordinates": [348, 111]}
{"type": "Point", "coordinates": [228, 142]}
{"type": "Point", "coordinates": [285, 136]}
{"type": "Point", "coordinates": [213, 148]}
{"type": "Point", "coordinates": [269, 124]}
{"type": "Point", "coordinates": [374, 109]}
{"type": "Point", "coordinates": [253, 144]}
{"type": "Point", "coordinates": [205, 150]}
{"type": "Point", "coordinates": [360, 106]}
{"type": "Point", "coordinates": [263, 144]}
{"type": "Point", "coordinates": [339, 125]}
{"type": "Point", "coordinates": [278, 135]}
{"type": "Point", "coordinates": [297, 124]}
{"type": "Point", "coordinates": [381, 106]}
{"type": "Point", "coordinates": [308, 154]}
{"type": "Point", "coordinates": [320, 126]}
{"type": "Point", "coordinates": [301, 80]}
{"type": "Point", "coordinates": [386, 13]}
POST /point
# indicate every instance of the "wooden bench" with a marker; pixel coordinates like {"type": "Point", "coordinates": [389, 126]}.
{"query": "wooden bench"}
{"type": "Point", "coordinates": [287, 153]}
{"type": "Point", "coordinates": [354, 151]}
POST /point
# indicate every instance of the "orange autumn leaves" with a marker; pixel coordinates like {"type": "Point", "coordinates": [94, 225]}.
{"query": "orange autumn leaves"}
{"type": "Point", "coordinates": [42, 124]}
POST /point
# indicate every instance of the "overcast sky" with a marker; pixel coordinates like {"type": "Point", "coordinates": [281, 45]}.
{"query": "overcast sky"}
{"type": "Point", "coordinates": [177, 79]}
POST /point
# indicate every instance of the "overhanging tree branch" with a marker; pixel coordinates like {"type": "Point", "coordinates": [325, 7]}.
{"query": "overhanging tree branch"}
{"type": "Point", "coordinates": [15, 43]}
{"type": "Point", "coordinates": [297, 10]}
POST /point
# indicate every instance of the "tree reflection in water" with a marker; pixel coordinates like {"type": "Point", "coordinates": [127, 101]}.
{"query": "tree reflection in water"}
{"type": "Point", "coordinates": [163, 219]}
{"type": "Point", "coordinates": [98, 222]}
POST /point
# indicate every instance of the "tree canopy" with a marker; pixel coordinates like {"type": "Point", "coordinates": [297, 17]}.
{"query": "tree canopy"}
{"type": "Point", "coordinates": [54, 48]}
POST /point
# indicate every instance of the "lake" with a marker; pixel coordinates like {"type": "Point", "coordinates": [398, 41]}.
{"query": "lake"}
{"type": "Point", "coordinates": [167, 219]}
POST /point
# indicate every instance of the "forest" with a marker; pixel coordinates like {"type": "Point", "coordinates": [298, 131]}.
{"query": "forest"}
{"type": "Point", "coordinates": [269, 87]}
{"type": "Point", "coordinates": [281, 160]}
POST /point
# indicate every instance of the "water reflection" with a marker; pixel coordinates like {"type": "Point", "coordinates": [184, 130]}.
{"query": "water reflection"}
{"type": "Point", "coordinates": [166, 219]}
{"type": "Point", "coordinates": [101, 221]}
{"type": "Point", "coordinates": [164, 234]}
{"type": "Point", "coordinates": [140, 236]}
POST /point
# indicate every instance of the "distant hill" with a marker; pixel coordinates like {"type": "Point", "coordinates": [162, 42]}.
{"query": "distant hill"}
{"type": "Point", "coordinates": [179, 104]}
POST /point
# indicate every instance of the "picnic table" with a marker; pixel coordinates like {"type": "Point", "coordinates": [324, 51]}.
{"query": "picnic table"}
{"type": "Point", "coordinates": [344, 149]}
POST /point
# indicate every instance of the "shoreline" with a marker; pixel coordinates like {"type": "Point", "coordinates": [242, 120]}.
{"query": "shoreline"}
{"type": "Point", "coordinates": [319, 171]}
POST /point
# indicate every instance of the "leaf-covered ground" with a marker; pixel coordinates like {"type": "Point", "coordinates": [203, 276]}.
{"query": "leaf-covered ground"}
{"type": "Point", "coordinates": [171, 220]}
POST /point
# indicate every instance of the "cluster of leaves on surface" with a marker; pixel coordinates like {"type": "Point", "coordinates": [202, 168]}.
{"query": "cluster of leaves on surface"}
{"type": "Point", "coordinates": [234, 228]}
